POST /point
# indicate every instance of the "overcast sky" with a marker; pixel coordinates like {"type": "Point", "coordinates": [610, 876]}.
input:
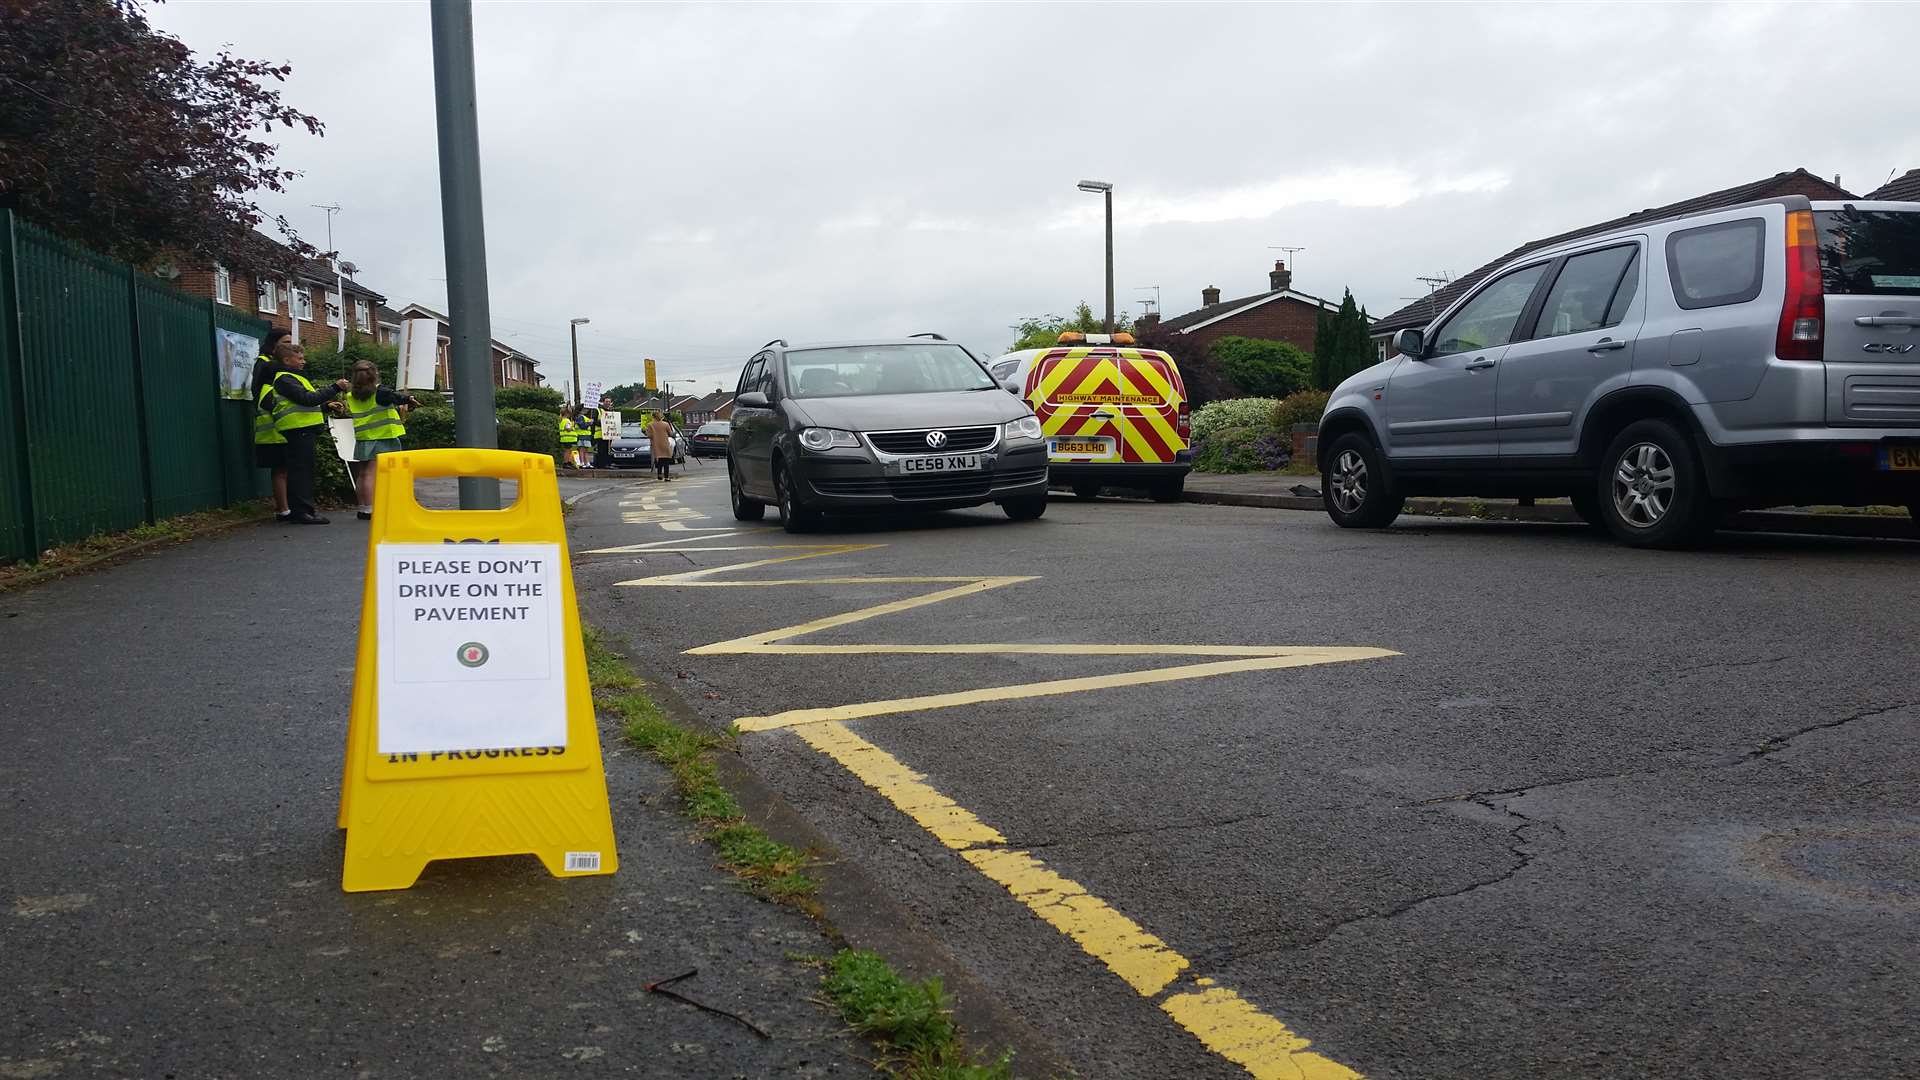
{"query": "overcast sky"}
{"type": "Point", "coordinates": [700, 179]}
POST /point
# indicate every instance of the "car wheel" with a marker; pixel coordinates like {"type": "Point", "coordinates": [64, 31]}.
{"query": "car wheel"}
{"type": "Point", "coordinates": [1356, 488]}
{"type": "Point", "coordinates": [795, 517]}
{"type": "Point", "coordinates": [1085, 490]}
{"type": "Point", "coordinates": [1025, 508]}
{"type": "Point", "coordinates": [1168, 490]}
{"type": "Point", "coordinates": [1651, 489]}
{"type": "Point", "coordinates": [744, 509]}
{"type": "Point", "coordinates": [1587, 505]}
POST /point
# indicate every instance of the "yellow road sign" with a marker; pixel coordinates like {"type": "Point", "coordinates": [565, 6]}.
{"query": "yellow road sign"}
{"type": "Point", "coordinates": [472, 731]}
{"type": "Point", "coordinates": [652, 383]}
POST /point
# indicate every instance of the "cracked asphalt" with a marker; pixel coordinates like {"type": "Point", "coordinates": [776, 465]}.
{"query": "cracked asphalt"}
{"type": "Point", "coordinates": [1610, 813]}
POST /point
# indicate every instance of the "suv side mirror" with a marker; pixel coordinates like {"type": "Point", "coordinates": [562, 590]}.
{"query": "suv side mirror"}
{"type": "Point", "coordinates": [1409, 343]}
{"type": "Point", "coordinates": [753, 399]}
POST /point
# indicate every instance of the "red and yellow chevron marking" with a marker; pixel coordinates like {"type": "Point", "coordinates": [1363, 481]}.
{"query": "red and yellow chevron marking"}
{"type": "Point", "coordinates": [1140, 388]}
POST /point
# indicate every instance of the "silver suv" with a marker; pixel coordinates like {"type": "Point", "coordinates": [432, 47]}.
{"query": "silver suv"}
{"type": "Point", "coordinates": [1755, 355]}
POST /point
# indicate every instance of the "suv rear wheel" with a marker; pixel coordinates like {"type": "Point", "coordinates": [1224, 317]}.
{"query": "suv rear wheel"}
{"type": "Point", "coordinates": [1026, 507]}
{"type": "Point", "coordinates": [1356, 488]}
{"type": "Point", "coordinates": [1168, 490]}
{"type": "Point", "coordinates": [1651, 488]}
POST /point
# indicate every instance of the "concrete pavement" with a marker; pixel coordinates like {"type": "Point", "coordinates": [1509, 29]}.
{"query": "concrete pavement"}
{"type": "Point", "coordinates": [169, 866]}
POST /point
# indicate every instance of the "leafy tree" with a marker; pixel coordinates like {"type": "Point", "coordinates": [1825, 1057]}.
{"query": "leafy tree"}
{"type": "Point", "coordinates": [1341, 345]}
{"type": "Point", "coordinates": [544, 398]}
{"type": "Point", "coordinates": [117, 136]}
{"type": "Point", "coordinates": [1041, 331]}
{"type": "Point", "coordinates": [327, 362]}
{"type": "Point", "coordinates": [616, 397]}
{"type": "Point", "coordinates": [1323, 347]}
{"type": "Point", "coordinates": [1268, 369]}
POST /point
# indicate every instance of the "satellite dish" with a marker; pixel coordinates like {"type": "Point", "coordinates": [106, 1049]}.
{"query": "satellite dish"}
{"type": "Point", "coordinates": [349, 268]}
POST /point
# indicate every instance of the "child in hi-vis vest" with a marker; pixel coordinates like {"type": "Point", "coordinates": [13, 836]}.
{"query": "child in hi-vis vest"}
{"type": "Point", "coordinates": [377, 414]}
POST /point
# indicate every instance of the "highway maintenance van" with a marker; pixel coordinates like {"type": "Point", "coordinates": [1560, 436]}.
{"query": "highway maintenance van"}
{"type": "Point", "coordinates": [1114, 414]}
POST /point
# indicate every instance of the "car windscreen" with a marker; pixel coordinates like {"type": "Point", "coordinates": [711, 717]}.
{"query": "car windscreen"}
{"type": "Point", "coordinates": [1869, 252]}
{"type": "Point", "coordinates": [860, 370]}
{"type": "Point", "coordinates": [633, 429]}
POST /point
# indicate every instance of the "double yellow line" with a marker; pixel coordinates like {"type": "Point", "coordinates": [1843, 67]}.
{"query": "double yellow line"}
{"type": "Point", "coordinates": [1226, 1023]}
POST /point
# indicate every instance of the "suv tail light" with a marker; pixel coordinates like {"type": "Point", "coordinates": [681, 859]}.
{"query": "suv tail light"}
{"type": "Point", "coordinates": [1185, 424]}
{"type": "Point", "coordinates": [1803, 315]}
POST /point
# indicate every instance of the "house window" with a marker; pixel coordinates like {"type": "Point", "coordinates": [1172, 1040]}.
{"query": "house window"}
{"type": "Point", "coordinates": [362, 315]}
{"type": "Point", "coordinates": [269, 298]}
{"type": "Point", "coordinates": [303, 304]}
{"type": "Point", "coordinates": [222, 284]}
{"type": "Point", "coordinates": [333, 309]}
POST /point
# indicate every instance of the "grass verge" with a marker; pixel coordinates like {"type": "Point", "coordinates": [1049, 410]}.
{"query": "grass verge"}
{"type": "Point", "coordinates": [69, 558]}
{"type": "Point", "coordinates": [775, 869]}
{"type": "Point", "coordinates": [911, 1022]}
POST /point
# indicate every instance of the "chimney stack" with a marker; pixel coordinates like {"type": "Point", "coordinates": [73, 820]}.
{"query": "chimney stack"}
{"type": "Point", "coordinates": [1280, 277]}
{"type": "Point", "coordinates": [1210, 296]}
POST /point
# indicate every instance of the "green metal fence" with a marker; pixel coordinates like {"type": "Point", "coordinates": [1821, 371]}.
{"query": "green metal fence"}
{"type": "Point", "coordinates": [110, 407]}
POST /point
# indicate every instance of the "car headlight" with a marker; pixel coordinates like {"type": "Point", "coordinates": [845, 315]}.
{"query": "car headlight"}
{"type": "Point", "coordinates": [1027, 427]}
{"type": "Point", "coordinates": [820, 438]}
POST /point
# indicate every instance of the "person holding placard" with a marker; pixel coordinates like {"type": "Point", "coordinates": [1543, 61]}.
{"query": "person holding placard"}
{"type": "Point", "coordinates": [269, 446]}
{"type": "Point", "coordinates": [297, 416]}
{"type": "Point", "coordinates": [378, 425]}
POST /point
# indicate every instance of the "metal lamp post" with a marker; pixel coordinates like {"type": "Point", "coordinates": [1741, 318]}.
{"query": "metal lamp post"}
{"type": "Point", "coordinates": [1101, 187]}
{"type": "Point", "coordinates": [573, 333]}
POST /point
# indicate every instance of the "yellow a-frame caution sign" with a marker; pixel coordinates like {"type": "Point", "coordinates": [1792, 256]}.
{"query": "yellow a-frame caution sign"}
{"type": "Point", "coordinates": [472, 730]}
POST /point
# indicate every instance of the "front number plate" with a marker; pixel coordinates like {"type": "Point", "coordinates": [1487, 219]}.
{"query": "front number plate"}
{"type": "Point", "coordinates": [945, 463]}
{"type": "Point", "coordinates": [1900, 459]}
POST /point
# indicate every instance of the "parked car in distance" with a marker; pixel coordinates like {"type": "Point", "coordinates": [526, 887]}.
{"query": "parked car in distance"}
{"type": "Point", "coordinates": [913, 423]}
{"type": "Point", "coordinates": [710, 439]}
{"type": "Point", "coordinates": [1757, 355]}
{"type": "Point", "coordinates": [1114, 414]}
{"type": "Point", "coordinates": [634, 450]}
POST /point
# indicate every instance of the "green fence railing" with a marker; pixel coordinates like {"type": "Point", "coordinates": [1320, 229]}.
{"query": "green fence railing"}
{"type": "Point", "coordinates": [110, 406]}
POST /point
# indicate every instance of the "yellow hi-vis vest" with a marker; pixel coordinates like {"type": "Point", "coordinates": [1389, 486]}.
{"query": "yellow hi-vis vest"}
{"type": "Point", "coordinates": [290, 417]}
{"type": "Point", "coordinates": [372, 420]}
{"type": "Point", "coordinates": [569, 435]}
{"type": "Point", "coordinates": [264, 433]}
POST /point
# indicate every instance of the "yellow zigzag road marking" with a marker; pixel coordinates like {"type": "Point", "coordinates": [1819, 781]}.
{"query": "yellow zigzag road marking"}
{"type": "Point", "coordinates": [1225, 1023]}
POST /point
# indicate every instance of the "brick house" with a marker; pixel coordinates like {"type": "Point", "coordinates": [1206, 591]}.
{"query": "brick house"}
{"type": "Point", "coordinates": [1902, 188]}
{"type": "Point", "coordinates": [1279, 314]}
{"type": "Point", "coordinates": [511, 367]}
{"type": "Point", "coordinates": [1798, 182]}
{"type": "Point", "coordinates": [715, 406]}
{"type": "Point", "coordinates": [307, 299]}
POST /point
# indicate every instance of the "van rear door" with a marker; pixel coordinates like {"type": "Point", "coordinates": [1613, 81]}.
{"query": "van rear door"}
{"type": "Point", "coordinates": [1108, 404]}
{"type": "Point", "coordinates": [1870, 275]}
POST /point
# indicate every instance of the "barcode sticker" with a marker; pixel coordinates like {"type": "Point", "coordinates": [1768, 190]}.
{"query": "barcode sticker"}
{"type": "Point", "coordinates": [583, 862]}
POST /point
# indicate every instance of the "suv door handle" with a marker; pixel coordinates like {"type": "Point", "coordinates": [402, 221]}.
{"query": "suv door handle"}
{"type": "Point", "coordinates": [1481, 363]}
{"type": "Point", "coordinates": [1606, 345]}
{"type": "Point", "coordinates": [1887, 320]}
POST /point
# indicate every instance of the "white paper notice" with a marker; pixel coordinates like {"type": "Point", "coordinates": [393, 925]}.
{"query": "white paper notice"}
{"type": "Point", "coordinates": [472, 653]}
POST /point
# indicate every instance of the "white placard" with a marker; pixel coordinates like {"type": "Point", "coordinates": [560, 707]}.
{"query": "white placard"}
{"type": "Point", "coordinates": [236, 353]}
{"type": "Point", "coordinates": [471, 647]}
{"type": "Point", "coordinates": [419, 353]}
{"type": "Point", "coordinates": [590, 397]}
{"type": "Point", "coordinates": [609, 424]}
{"type": "Point", "coordinates": [343, 439]}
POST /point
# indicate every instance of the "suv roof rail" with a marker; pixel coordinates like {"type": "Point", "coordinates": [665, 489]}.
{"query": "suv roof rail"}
{"type": "Point", "coordinates": [931, 334]}
{"type": "Point", "coordinates": [780, 341]}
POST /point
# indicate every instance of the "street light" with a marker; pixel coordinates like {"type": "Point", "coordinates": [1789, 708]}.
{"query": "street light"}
{"type": "Point", "coordinates": [1101, 187]}
{"type": "Point", "coordinates": [573, 332]}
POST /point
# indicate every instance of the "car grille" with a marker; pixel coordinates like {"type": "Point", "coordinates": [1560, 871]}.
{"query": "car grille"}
{"type": "Point", "coordinates": [929, 487]}
{"type": "Point", "coordinates": [959, 440]}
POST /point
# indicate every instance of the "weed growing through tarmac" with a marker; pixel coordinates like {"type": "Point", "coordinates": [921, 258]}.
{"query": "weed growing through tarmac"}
{"type": "Point", "coordinates": [777, 870]}
{"type": "Point", "coordinates": [911, 1022]}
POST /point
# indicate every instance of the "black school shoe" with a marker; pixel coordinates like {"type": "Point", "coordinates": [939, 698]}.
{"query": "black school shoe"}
{"type": "Point", "coordinates": [308, 519]}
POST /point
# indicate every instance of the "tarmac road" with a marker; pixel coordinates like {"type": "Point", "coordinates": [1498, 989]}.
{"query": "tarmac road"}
{"type": "Point", "coordinates": [1601, 812]}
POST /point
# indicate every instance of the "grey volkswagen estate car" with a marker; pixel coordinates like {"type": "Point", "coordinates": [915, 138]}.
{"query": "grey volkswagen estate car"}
{"type": "Point", "coordinates": [1754, 355]}
{"type": "Point", "coordinates": [911, 424]}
